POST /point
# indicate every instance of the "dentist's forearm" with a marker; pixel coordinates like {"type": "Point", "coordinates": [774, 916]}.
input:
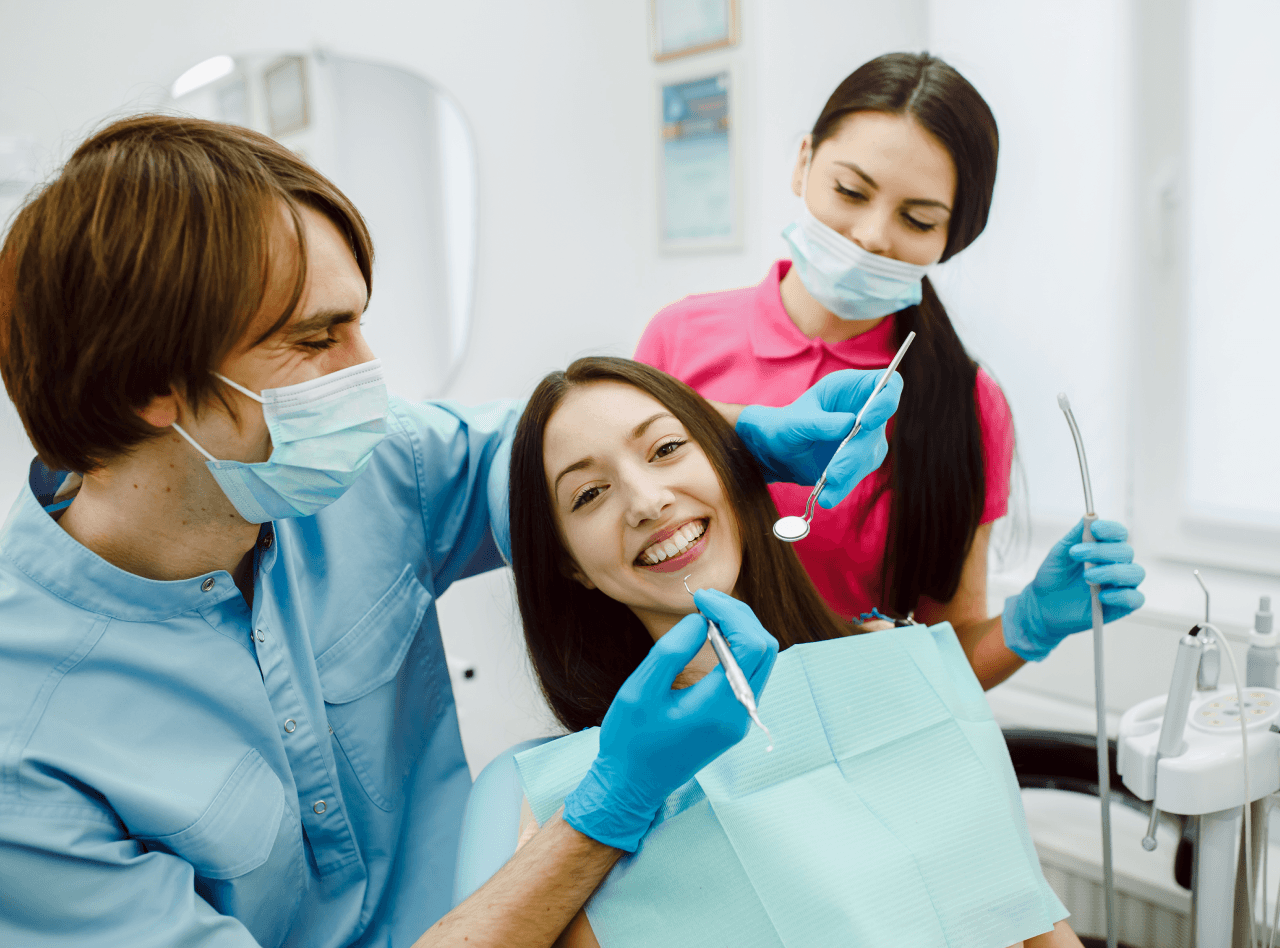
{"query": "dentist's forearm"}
{"type": "Point", "coordinates": [531, 899]}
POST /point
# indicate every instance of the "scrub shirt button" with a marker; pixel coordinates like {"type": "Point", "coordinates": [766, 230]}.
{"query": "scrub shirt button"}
{"type": "Point", "coordinates": [208, 584]}
{"type": "Point", "coordinates": [290, 726]}
{"type": "Point", "coordinates": [330, 728]}
{"type": "Point", "coordinates": [262, 636]}
{"type": "Point", "coordinates": [319, 807]}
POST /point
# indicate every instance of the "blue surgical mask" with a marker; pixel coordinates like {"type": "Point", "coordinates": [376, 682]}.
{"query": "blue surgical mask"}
{"type": "Point", "coordinates": [323, 433]}
{"type": "Point", "coordinates": [847, 280]}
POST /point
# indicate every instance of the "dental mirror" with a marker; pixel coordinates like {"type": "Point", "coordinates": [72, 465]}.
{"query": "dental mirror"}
{"type": "Point", "coordinates": [790, 529]}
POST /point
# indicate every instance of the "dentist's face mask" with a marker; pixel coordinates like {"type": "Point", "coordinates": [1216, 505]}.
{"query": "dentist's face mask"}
{"type": "Point", "coordinates": [849, 281]}
{"type": "Point", "coordinates": [323, 433]}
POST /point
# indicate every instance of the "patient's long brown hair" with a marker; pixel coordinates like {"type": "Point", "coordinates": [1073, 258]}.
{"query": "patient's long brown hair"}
{"type": "Point", "coordinates": [582, 643]}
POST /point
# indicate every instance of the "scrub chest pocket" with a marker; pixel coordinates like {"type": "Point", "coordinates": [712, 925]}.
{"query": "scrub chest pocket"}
{"type": "Point", "coordinates": [361, 683]}
{"type": "Point", "coordinates": [249, 832]}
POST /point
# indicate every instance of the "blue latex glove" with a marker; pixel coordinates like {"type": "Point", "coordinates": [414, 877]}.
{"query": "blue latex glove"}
{"type": "Point", "coordinates": [1057, 602]}
{"type": "Point", "coordinates": [793, 444]}
{"type": "Point", "coordinates": [654, 738]}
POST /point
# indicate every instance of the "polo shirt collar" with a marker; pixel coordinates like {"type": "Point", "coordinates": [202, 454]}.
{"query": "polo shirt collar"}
{"type": "Point", "coordinates": [774, 336]}
{"type": "Point", "coordinates": [33, 543]}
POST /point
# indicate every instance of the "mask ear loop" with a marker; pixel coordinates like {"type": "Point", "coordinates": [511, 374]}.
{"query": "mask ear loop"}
{"type": "Point", "coordinates": [239, 388]}
{"type": "Point", "coordinates": [192, 441]}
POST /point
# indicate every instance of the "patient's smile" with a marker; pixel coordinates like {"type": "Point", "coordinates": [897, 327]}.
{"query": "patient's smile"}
{"type": "Point", "coordinates": [672, 549]}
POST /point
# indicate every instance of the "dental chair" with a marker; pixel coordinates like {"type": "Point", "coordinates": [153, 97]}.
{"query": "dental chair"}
{"type": "Point", "coordinates": [491, 822]}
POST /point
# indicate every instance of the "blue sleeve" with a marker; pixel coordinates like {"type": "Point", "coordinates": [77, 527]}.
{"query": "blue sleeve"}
{"type": "Point", "coordinates": [72, 878]}
{"type": "Point", "coordinates": [462, 459]}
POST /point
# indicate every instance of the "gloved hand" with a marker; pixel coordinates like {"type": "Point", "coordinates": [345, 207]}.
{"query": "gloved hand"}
{"type": "Point", "coordinates": [1057, 601]}
{"type": "Point", "coordinates": [794, 444]}
{"type": "Point", "coordinates": [654, 739]}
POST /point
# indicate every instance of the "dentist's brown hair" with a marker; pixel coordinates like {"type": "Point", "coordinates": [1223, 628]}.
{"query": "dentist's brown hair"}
{"type": "Point", "coordinates": [583, 644]}
{"type": "Point", "coordinates": [140, 267]}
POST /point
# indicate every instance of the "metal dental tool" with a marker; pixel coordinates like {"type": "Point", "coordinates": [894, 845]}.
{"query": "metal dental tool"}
{"type": "Point", "coordinates": [793, 528]}
{"type": "Point", "coordinates": [1104, 757]}
{"type": "Point", "coordinates": [1190, 649]}
{"type": "Point", "coordinates": [737, 680]}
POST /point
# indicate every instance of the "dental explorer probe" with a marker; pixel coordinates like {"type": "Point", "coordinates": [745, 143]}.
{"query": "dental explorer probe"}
{"type": "Point", "coordinates": [732, 670]}
{"type": "Point", "coordinates": [1100, 703]}
{"type": "Point", "coordinates": [793, 528]}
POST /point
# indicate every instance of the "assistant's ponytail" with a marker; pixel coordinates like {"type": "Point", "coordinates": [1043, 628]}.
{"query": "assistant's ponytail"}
{"type": "Point", "coordinates": [935, 460]}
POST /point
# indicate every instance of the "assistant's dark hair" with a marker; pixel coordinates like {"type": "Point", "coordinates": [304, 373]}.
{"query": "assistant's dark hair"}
{"type": "Point", "coordinates": [583, 644]}
{"type": "Point", "coordinates": [935, 458]}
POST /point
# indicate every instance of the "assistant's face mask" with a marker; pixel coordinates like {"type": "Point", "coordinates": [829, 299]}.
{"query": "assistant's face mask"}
{"type": "Point", "coordinates": [323, 433]}
{"type": "Point", "coordinates": [849, 281]}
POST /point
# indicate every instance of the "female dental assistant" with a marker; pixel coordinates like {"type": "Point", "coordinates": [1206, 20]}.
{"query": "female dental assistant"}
{"type": "Point", "coordinates": [896, 176]}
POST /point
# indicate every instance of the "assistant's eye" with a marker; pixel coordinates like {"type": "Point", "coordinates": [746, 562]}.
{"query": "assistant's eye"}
{"type": "Point", "coordinates": [668, 448]}
{"type": "Point", "coordinates": [853, 195]}
{"type": "Point", "coordinates": [585, 497]}
{"type": "Point", "coordinates": [922, 226]}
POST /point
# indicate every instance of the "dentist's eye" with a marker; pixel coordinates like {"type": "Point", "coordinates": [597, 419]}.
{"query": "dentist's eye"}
{"type": "Point", "coordinates": [855, 195]}
{"type": "Point", "coordinates": [319, 344]}
{"type": "Point", "coordinates": [588, 495]}
{"type": "Point", "coordinates": [668, 448]}
{"type": "Point", "coordinates": [919, 225]}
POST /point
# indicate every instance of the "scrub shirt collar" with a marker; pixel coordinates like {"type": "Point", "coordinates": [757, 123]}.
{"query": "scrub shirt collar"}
{"type": "Point", "coordinates": [774, 336]}
{"type": "Point", "coordinates": [34, 543]}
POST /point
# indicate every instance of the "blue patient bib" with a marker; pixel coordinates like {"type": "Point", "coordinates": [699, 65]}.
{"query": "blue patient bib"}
{"type": "Point", "coordinates": [887, 814]}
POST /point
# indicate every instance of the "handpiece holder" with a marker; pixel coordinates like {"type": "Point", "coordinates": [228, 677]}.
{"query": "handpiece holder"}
{"type": "Point", "coordinates": [1201, 773]}
{"type": "Point", "coordinates": [1174, 723]}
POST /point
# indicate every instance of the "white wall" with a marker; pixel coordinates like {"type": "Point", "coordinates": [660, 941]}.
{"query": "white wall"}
{"type": "Point", "coordinates": [1042, 297]}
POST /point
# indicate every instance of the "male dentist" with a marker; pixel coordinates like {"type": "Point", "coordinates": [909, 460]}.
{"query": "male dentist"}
{"type": "Point", "coordinates": [225, 717]}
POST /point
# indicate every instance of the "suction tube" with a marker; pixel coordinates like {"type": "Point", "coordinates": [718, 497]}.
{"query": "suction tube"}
{"type": "Point", "coordinates": [1100, 702]}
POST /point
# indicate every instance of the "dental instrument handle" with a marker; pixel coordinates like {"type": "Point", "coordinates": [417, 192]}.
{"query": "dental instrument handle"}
{"type": "Point", "coordinates": [733, 672]}
{"type": "Point", "coordinates": [857, 421]}
{"type": "Point", "coordinates": [1176, 708]}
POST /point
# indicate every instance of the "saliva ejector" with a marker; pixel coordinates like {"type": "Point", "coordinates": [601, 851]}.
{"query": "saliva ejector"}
{"type": "Point", "coordinates": [793, 528]}
{"type": "Point", "coordinates": [1100, 702]}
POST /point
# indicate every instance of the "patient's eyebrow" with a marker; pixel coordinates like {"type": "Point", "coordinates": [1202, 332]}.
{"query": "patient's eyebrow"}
{"type": "Point", "coordinates": [638, 430]}
{"type": "Point", "coordinates": [575, 466]}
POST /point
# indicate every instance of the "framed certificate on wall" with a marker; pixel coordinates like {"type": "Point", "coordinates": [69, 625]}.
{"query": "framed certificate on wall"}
{"type": "Point", "coordinates": [686, 27]}
{"type": "Point", "coordinates": [699, 205]}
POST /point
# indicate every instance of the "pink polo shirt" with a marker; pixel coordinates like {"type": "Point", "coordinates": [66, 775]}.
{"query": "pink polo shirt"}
{"type": "Point", "coordinates": [740, 346]}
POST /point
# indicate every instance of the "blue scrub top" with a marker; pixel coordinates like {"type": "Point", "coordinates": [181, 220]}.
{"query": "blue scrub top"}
{"type": "Point", "coordinates": [178, 770]}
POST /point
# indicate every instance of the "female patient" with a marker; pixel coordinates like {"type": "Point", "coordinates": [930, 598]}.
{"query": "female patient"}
{"type": "Point", "coordinates": [624, 481]}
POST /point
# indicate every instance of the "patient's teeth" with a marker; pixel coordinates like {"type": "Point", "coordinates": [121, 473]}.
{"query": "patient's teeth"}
{"type": "Point", "coordinates": [678, 542]}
